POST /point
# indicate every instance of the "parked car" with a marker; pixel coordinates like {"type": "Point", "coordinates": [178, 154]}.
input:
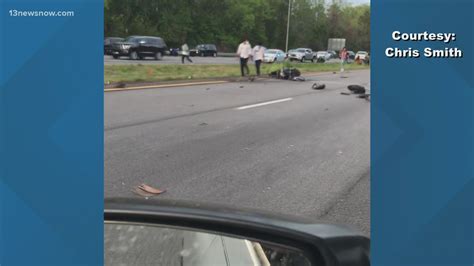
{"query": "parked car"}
{"type": "Point", "coordinates": [302, 54]}
{"type": "Point", "coordinates": [362, 57]}
{"type": "Point", "coordinates": [351, 55]}
{"type": "Point", "coordinates": [273, 55]}
{"type": "Point", "coordinates": [204, 50]}
{"type": "Point", "coordinates": [323, 55]}
{"type": "Point", "coordinates": [333, 54]}
{"type": "Point", "coordinates": [108, 42]}
{"type": "Point", "coordinates": [289, 52]}
{"type": "Point", "coordinates": [139, 47]}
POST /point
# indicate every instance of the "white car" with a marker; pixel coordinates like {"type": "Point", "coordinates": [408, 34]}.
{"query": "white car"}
{"type": "Point", "coordinates": [273, 55]}
{"type": "Point", "coordinates": [361, 55]}
{"type": "Point", "coordinates": [324, 55]}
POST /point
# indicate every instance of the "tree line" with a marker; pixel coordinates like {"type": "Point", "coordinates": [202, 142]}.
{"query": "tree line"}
{"type": "Point", "coordinates": [226, 22]}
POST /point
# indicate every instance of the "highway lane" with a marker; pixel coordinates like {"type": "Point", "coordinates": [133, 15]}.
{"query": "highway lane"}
{"type": "Point", "coordinates": [272, 145]}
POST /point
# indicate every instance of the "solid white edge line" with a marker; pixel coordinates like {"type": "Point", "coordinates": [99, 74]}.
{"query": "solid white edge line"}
{"type": "Point", "coordinates": [171, 85]}
{"type": "Point", "coordinates": [264, 103]}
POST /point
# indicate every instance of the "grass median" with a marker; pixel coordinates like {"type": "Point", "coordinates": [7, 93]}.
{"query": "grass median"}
{"type": "Point", "coordinates": [154, 73]}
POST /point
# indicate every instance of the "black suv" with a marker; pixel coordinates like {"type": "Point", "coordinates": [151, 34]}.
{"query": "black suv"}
{"type": "Point", "coordinates": [139, 47]}
{"type": "Point", "coordinates": [108, 44]}
{"type": "Point", "coordinates": [204, 50]}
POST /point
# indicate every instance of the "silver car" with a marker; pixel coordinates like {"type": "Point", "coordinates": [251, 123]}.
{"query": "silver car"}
{"type": "Point", "coordinates": [273, 55]}
{"type": "Point", "coordinates": [302, 54]}
{"type": "Point", "coordinates": [324, 55]}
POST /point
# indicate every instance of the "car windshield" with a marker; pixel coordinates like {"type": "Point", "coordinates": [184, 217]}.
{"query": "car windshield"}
{"type": "Point", "coordinates": [132, 39]}
{"type": "Point", "coordinates": [271, 52]}
{"type": "Point", "coordinates": [300, 50]}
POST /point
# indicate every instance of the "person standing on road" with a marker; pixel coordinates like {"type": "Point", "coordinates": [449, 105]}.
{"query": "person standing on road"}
{"type": "Point", "coordinates": [185, 53]}
{"type": "Point", "coordinates": [244, 52]}
{"type": "Point", "coordinates": [343, 55]}
{"type": "Point", "coordinates": [257, 54]}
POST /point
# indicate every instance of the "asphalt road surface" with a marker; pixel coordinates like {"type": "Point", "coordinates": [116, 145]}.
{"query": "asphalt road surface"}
{"type": "Point", "coordinates": [273, 145]}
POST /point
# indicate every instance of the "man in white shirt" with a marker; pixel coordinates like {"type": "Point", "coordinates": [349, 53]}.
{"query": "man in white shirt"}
{"type": "Point", "coordinates": [257, 53]}
{"type": "Point", "coordinates": [244, 52]}
{"type": "Point", "coordinates": [185, 53]}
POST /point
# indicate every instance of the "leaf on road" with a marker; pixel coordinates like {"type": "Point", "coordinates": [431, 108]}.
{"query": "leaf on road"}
{"type": "Point", "coordinates": [152, 190]}
{"type": "Point", "coordinates": [141, 193]}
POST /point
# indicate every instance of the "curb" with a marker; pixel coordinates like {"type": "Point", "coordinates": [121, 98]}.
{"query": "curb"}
{"type": "Point", "coordinates": [169, 85]}
{"type": "Point", "coordinates": [183, 83]}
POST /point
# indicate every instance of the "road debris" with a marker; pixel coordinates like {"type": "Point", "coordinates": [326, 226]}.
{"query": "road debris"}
{"type": "Point", "coordinates": [203, 124]}
{"type": "Point", "coordinates": [356, 89]}
{"type": "Point", "coordinates": [288, 73]}
{"type": "Point", "coordinates": [364, 96]}
{"type": "Point", "coordinates": [318, 86]}
{"type": "Point", "coordinates": [147, 191]}
{"type": "Point", "coordinates": [298, 79]}
{"type": "Point", "coordinates": [142, 193]}
{"type": "Point", "coordinates": [241, 87]}
{"type": "Point", "coordinates": [150, 189]}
